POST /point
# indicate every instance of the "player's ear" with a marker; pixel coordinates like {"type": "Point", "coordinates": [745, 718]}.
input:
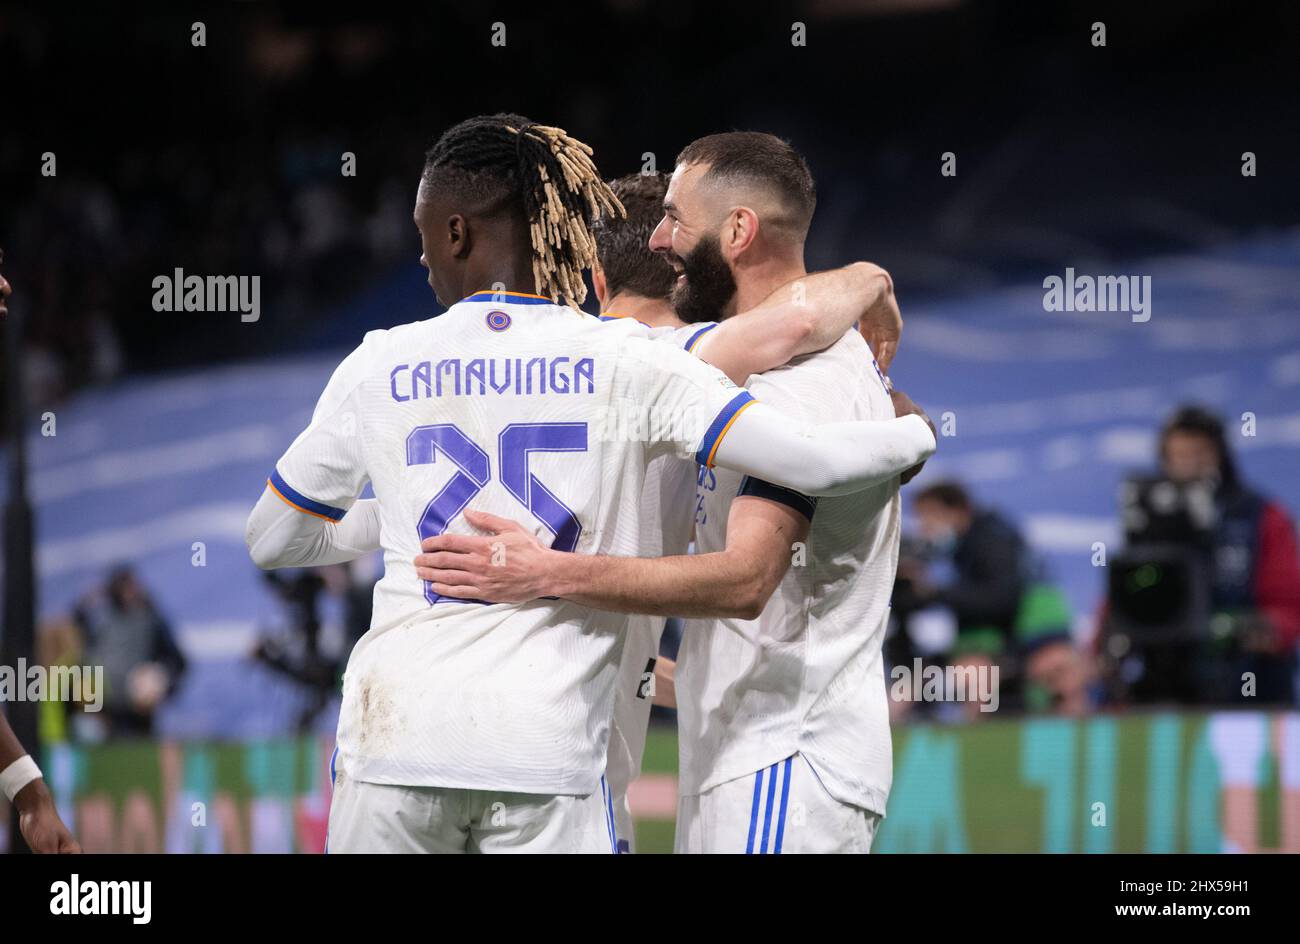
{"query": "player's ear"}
{"type": "Point", "coordinates": [598, 282]}
{"type": "Point", "coordinates": [739, 232]}
{"type": "Point", "coordinates": [458, 236]}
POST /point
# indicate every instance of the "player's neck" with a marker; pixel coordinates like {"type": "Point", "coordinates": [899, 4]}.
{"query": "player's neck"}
{"type": "Point", "coordinates": [502, 275]}
{"type": "Point", "coordinates": [656, 312]}
{"type": "Point", "coordinates": [756, 280]}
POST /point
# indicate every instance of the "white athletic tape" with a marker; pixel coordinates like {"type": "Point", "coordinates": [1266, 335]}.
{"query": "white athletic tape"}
{"type": "Point", "coordinates": [18, 775]}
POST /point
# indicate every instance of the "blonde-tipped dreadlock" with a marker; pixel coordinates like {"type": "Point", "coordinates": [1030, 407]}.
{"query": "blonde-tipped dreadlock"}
{"type": "Point", "coordinates": [560, 221]}
{"type": "Point", "coordinates": [553, 174]}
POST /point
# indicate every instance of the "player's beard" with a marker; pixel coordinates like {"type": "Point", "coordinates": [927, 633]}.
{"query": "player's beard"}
{"type": "Point", "coordinates": [709, 286]}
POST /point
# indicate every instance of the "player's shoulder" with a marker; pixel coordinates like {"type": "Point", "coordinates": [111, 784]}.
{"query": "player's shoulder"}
{"type": "Point", "coordinates": [377, 346]}
{"type": "Point", "coordinates": [848, 358]}
{"type": "Point", "coordinates": [656, 354]}
{"type": "Point", "coordinates": [828, 382]}
{"type": "Point", "coordinates": [377, 338]}
{"type": "Point", "coordinates": [683, 336]}
{"type": "Point", "coordinates": [612, 330]}
{"type": "Point", "coordinates": [380, 341]}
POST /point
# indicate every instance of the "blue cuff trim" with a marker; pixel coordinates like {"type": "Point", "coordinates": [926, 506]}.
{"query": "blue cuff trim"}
{"type": "Point", "coordinates": [300, 501]}
{"type": "Point", "coordinates": [718, 428]}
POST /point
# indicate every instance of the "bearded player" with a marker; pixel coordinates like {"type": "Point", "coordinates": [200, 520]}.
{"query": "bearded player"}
{"type": "Point", "coordinates": [633, 281]}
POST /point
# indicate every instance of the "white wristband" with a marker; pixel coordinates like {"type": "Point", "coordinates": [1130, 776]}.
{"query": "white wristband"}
{"type": "Point", "coordinates": [18, 775]}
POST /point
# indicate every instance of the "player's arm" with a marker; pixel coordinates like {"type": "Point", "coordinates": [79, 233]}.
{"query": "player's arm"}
{"type": "Point", "coordinates": [512, 566]}
{"type": "Point", "coordinates": [830, 459]}
{"type": "Point", "coordinates": [723, 425]}
{"type": "Point", "coordinates": [23, 786]}
{"type": "Point", "coordinates": [308, 515]}
{"type": "Point", "coordinates": [806, 315]}
{"type": "Point", "coordinates": [280, 533]}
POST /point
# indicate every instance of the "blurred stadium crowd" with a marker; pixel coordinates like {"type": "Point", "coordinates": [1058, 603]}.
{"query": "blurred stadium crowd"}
{"type": "Point", "coordinates": [166, 429]}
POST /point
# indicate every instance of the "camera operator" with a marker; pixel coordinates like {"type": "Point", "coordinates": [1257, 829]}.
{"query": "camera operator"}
{"type": "Point", "coordinates": [1254, 566]}
{"type": "Point", "coordinates": [305, 653]}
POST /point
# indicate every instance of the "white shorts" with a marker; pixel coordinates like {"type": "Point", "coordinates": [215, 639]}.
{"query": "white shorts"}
{"type": "Point", "coordinates": [381, 818]}
{"type": "Point", "coordinates": [782, 808]}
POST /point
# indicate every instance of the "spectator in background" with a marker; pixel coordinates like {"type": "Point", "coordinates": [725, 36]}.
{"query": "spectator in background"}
{"type": "Point", "coordinates": [125, 634]}
{"type": "Point", "coordinates": [973, 563]}
{"type": "Point", "coordinates": [1254, 564]}
{"type": "Point", "coordinates": [989, 562]}
{"type": "Point", "coordinates": [1059, 676]}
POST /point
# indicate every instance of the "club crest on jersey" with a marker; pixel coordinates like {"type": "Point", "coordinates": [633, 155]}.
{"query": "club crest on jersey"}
{"type": "Point", "coordinates": [498, 320]}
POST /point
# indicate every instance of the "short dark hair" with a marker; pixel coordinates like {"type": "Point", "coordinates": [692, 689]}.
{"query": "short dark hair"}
{"type": "Point", "coordinates": [623, 245]}
{"type": "Point", "coordinates": [949, 494]}
{"type": "Point", "coordinates": [764, 159]}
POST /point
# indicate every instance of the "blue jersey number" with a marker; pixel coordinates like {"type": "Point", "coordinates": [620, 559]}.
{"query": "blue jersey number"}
{"type": "Point", "coordinates": [473, 471]}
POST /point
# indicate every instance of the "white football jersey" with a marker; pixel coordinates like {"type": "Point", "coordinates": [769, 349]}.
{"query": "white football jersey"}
{"type": "Point", "coordinates": [513, 405]}
{"type": "Point", "coordinates": [806, 676]}
{"type": "Point", "coordinates": [666, 512]}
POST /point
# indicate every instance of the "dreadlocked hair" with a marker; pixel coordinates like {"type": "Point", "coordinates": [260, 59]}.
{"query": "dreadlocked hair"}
{"type": "Point", "coordinates": [515, 165]}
